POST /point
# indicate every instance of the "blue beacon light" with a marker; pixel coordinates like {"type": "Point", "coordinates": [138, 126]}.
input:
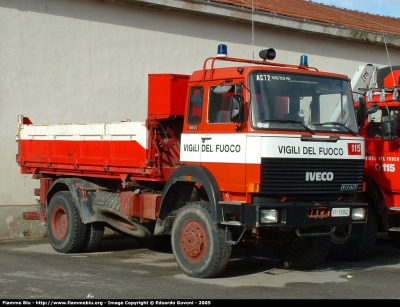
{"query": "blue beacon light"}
{"type": "Point", "coordinates": [222, 50]}
{"type": "Point", "coordinates": [304, 61]}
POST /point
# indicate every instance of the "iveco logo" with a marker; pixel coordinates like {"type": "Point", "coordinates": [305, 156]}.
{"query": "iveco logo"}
{"type": "Point", "coordinates": [319, 176]}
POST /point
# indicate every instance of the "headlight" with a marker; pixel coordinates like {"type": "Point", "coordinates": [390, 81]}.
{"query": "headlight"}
{"type": "Point", "coordinates": [268, 216]}
{"type": "Point", "coordinates": [358, 214]}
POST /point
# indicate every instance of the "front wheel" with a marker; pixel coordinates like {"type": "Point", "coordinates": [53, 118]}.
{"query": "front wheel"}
{"type": "Point", "coordinates": [303, 253]}
{"type": "Point", "coordinates": [199, 246]}
{"type": "Point", "coordinates": [64, 225]}
{"type": "Point", "coordinates": [354, 242]}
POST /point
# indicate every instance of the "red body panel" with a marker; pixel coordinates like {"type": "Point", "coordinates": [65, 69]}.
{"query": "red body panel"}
{"type": "Point", "coordinates": [392, 79]}
{"type": "Point", "coordinates": [167, 94]}
{"type": "Point", "coordinates": [144, 205]}
{"type": "Point", "coordinates": [105, 157]}
{"type": "Point", "coordinates": [383, 162]}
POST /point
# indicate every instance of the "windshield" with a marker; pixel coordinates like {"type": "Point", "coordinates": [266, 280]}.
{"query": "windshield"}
{"type": "Point", "coordinates": [374, 128]}
{"type": "Point", "coordinates": [301, 102]}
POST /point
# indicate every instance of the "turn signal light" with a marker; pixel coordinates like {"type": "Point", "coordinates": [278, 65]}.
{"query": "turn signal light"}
{"type": "Point", "coordinates": [253, 187]}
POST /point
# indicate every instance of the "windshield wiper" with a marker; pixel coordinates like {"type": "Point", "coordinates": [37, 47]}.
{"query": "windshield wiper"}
{"type": "Point", "coordinates": [289, 121]}
{"type": "Point", "coordinates": [337, 124]}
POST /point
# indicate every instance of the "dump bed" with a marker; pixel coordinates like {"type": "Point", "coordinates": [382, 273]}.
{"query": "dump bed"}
{"type": "Point", "coordinates": [101, 149]}
{"type": "Point", "coordinates": [109, 150]}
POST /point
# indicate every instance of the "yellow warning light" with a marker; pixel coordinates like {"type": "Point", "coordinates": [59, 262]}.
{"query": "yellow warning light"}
{"type": "Point", "coordinates": [253, 187]}
{"type": "Point", "coordinates": [187, 178]}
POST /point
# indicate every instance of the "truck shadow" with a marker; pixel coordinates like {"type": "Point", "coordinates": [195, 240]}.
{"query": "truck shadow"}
{"type": "Point", "coordinates": [243, 262]}
{"type": "Point", "coordinates": [247, 262]}
{"type": "Point", "coordinates": [117, 242]}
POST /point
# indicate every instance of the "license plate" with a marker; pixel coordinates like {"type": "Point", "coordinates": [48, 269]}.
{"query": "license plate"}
{"type": "Point", "coordinates": [340, 212]}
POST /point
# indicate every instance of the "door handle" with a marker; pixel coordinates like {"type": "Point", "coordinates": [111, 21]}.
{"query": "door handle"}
{"type": "Point", "coordinates": [207, 138]}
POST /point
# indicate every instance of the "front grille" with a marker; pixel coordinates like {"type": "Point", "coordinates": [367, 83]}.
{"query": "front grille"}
{"type": "Point", "coordinates": [288, 176]}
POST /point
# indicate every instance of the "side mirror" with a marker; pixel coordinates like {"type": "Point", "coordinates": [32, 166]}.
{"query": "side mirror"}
{"type": "Point", "coordinates": [237, 109]}
{"type": "Point", "coordinates": [361, 111]}
{"type": "Point", "coordinates": [388, 128]}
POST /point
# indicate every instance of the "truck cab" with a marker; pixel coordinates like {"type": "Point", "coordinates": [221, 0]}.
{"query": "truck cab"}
{"type": "Point", "coordinates": [380, 88]}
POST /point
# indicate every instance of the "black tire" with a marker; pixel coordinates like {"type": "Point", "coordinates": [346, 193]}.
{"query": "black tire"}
{"type": "Point", "coordinates": [354, 242]}
{"type": "Point", "coordinates": [94, 235]}
{"type": "Point", "coordinates": [107, 207]}
{"type": "Point", "coordinates": [108, 199]}
{"type": "Point", "coordinates": [303, 253]}
{"type": "Point", "coordinates": [198, 245]}
{"type": "Point", "coordinates": [65, 228]}
{"type": "Point", "coordinates": [394, 238]}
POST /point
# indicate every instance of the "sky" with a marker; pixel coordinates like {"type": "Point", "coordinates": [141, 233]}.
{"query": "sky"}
{"type": "Point", "coordinates": [389, 8]}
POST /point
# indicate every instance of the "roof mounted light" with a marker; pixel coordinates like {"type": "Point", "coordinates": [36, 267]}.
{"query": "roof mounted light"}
{"type": "Point", "coordinates": [304, 61]}
{"type": "Point", "coordinates": [222, 50]}
{"type": "Point", "coordinates": [267, 54]}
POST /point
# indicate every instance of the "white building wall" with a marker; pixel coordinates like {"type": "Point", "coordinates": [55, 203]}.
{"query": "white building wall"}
{"type": "Point", "coordinates": [88, 61]}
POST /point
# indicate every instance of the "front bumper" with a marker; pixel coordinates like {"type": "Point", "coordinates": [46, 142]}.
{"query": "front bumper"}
{"type": "Point", "coordinates": [291, 214]}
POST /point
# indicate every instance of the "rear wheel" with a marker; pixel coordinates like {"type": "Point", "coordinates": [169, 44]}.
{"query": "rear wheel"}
{"type": "Point", "coordinates": [303, 253]}
{"type": "Point", "coordinates": [199, 246]}
{"type": "Point", "coordinates": [65, 228]}
{"type": "Point", "coordinates": [354, 242]}
{"type": "Point", "coordinates": [94, 235]}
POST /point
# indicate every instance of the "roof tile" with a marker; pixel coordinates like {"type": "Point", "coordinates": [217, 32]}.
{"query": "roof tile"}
{"type": "Point", "coordinates": [329, 14]}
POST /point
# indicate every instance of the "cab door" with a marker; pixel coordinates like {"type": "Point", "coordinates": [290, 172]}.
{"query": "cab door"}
{"type": "Point", "coordinates": [382, 161]}
{"type": "Point", "coordinates": [191, 134]}
{"type": "Point", "coordinates": [222, 146]}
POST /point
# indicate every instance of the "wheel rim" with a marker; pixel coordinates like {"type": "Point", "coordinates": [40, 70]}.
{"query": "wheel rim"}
{"type": "Point", "coordinates": [59, 222]}
{"type": "Point", "coordinates": [341, 234]}
{"type": "Point", "coordinates": [194, 241]}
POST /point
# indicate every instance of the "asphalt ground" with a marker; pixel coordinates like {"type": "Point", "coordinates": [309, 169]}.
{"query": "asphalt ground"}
{"type": "Point", "coordinates": [121, 270]}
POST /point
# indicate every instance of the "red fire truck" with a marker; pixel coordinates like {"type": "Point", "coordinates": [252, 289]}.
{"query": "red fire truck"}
{"type": "Point", "coordinates": [235, 156]}
{"type": "Point", "coordinates": [380, 87]}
